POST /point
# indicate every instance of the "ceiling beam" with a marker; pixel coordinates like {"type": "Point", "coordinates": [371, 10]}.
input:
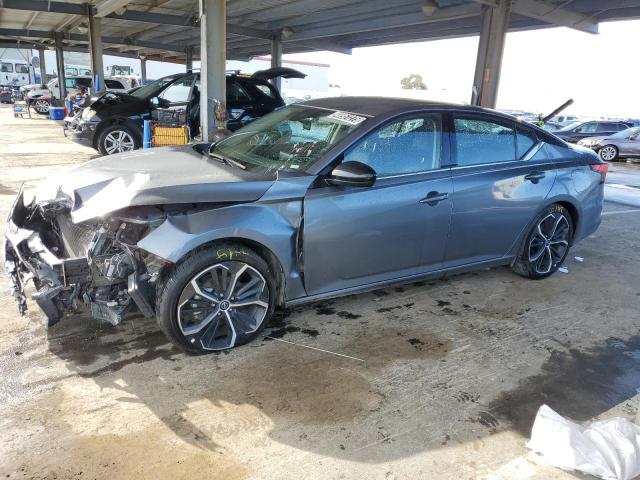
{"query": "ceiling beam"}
{"type": "Point", "coordinates": [106, 7]}
{"type": "Point", "coordinates": [551, 14]}
{"type": "Point", "coordinates": [381, 23]}
{"type": "Point", "coordinates": [78, 37]}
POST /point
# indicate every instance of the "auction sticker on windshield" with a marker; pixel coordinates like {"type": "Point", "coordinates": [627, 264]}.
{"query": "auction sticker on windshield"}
{"type": "Point", "coordinates": [347, 118]}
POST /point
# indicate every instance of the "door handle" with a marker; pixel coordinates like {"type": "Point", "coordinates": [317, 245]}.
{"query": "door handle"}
{"type": "Point", "coordinates": [534, 177]}
{"type": "Point", "coordinates": [433, 198]}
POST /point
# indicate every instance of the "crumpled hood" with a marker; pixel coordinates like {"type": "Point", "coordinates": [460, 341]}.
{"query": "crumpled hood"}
{"type": "Point", "coordinates": [157, 176]}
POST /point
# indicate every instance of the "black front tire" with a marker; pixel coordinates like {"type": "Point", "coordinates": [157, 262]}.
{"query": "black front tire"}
{"type": "Point", "coordinates": [104, 141]}
{"type": "Point", "coordinates": [546, 245]}
{"type": "Point", "coordinates": [608, 153]}
{"type": "Point", "coordinates": [171, 299]}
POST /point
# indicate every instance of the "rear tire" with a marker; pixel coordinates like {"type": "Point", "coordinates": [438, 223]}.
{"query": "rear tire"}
{"type": "Point", "coordinates": [118, 139]}
{"type": "Point", "coordinates": [216, 299]}
{"type": "Point", "coordinates": [608, 153]}
{"type": "Point", "coordinates": [546, 245]}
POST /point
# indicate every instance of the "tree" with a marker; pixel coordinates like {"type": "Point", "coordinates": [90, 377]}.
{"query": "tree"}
{"type": "Point", "coordinates": [413, 82]}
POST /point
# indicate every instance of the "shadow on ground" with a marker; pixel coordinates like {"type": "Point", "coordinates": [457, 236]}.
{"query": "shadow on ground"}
{"type": "Point", "coordinates": [336, 407]}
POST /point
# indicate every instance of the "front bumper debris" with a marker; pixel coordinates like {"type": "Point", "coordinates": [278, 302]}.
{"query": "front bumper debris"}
{"type": "Point", "coordinates": [71, 272]}
{"type": "Point", "coordinates": [79, 131]}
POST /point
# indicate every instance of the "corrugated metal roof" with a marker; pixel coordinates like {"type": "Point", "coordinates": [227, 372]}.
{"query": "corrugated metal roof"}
{"type": "Point", "coordinates": [165, 28]}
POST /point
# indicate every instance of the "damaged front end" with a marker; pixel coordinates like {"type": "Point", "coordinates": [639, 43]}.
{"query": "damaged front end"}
{"type": "Point", "coordinates": [94, 265]}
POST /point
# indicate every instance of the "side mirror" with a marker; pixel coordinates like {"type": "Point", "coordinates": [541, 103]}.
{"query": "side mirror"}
{"type": "Point", "coordinates": [160, 102]}
{"type": "Point", "coordinates": [354, 174]}
{"type": "Point", "coordinates": [155, 102]}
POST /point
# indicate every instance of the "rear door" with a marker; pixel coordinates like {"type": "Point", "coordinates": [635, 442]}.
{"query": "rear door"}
{"type": "Point", "coordinates": [355, 236]}
{"type": "Point", "coordinates": [501, 178]}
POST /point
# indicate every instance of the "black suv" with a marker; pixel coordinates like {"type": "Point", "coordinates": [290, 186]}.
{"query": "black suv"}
{"type": "Point", "coordinates": [577, 131]}
{"type": "Point", "coordinates": [113, 122]}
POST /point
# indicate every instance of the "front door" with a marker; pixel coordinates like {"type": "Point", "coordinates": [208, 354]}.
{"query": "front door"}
{"type": "Point", "coordinates": [500, 182]}
{"type": "Point", "coordinates": [355, 236]}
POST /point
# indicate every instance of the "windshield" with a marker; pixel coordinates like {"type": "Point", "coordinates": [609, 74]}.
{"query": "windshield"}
{"type": "Point", "coordinates": [629, 132]}
{"type": "Point", "coordinates": [154, 87]}
{"type": "Point", "coordinates": [571, 126]}
{"type": "Point", "coordinates": [290, 139]}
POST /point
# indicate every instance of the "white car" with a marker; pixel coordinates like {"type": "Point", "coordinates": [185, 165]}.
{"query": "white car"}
{"type": "Point", "coordinates": [40, 98]}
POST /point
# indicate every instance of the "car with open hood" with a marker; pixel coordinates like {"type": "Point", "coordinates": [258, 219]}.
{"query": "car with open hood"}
{"type": "Point", "coordinates": [316, 200]}
{"type": "Point", "coordinates": [113, 123]}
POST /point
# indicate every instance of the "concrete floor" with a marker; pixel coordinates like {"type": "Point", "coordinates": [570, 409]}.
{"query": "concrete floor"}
{"type": "Point", "coordinates": [445, 380]}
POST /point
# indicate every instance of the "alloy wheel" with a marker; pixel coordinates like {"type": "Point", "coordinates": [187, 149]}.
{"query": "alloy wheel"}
{"type": "Point", "coordinates": [549, 242]}
{"type": "Point", "coordinates": [41, 106]}
{"type": "Point", "coordinates": [221, 303]}
{"type": "Point", "coordinates": [118, 141]}
{"type": "Point", "coordinates": [608, 153]}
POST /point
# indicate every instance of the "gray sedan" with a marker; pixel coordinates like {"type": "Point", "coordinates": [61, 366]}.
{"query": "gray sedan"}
{"type": "Point", "coordinates": [317, 200]}
{"type": "Point", "coordinates": [624, 144]}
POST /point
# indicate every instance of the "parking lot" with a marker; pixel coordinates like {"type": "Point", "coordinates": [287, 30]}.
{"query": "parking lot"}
{"type": "Point", "coordinates": [432, 379]}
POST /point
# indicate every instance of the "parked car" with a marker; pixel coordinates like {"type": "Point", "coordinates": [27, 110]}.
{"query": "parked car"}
{"type": "Point", "coordinates": [624, 144]}
{"type": "Point", "coordinates": [318, 199]}
{"type": "Point", "coordinates": [113, 123]}
{"type": "Point", "coordinates": [40, 98]}
{"type": "Point", "coordinates": [575, 132]}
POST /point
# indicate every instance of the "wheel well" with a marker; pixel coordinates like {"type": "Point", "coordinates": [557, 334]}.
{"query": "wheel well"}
{"type": "Point", "coordinates": [115, 121]}
{"type": "Point", "coordinates": [267, 255]}
{"type": "Point", "coordinates": [573, 212]}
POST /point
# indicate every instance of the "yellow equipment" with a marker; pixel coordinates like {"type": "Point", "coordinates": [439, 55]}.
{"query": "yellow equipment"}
{"type": "Point", "coordinates": [178, 135]}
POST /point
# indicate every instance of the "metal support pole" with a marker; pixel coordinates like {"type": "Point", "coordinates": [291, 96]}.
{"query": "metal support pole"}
{"type": "Point", "coordinates": [189, 58]}
{"type": "Point", "coordinates": [95, 51]}
{"type": "Point", "coordinates": [143, 70]}
{"type": "Point", "coordinates": [213, 53]}
{"type": "Point", "coordinates": [62, 87]}
{"type": "Point", "coordinates": [276, 56]}
{"type": "Point", "coordinates": [43, 66]}
{"type": "Point", "coordinates": [493, 31]}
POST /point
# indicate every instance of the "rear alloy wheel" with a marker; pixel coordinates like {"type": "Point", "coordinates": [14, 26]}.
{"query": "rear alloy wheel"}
{"type": "Point", "coordinates": [41, 106]}
{"type": "Point", "coordinates": [608, 153]}
{"type": "Point", "coordinates": [547, 244]}
{"type": "Point", "coordinates": [117, 139]}
{"type": "Point", "coordinates": [216, 300]}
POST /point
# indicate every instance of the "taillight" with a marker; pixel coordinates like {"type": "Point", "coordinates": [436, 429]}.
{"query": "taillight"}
{"type": "Point", "coordinates": [602, 169]}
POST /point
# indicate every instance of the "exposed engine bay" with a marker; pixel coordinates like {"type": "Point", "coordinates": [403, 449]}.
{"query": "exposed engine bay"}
{"type": "Point", "coordinates": [94, 265]}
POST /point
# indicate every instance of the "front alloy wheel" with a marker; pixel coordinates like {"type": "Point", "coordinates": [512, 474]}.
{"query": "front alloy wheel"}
{"type": "Point", "coordinates": [216, 298]}
{"type": "Point", "coordinates": [608, 153]}
{"type": "Point", "coordinates": [41, 106]}
{"type": "Point", "coordinates": [222, 302]}
{"type": "Point", "coordinates": [118, 141]}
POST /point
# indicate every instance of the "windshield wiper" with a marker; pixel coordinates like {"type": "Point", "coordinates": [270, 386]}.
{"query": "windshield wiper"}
{"type": "Point", "coordinates": [227, 161]}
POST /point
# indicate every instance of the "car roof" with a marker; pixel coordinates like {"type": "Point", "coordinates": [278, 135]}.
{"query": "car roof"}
{"type": "Point", "coordinates": [375, 106]}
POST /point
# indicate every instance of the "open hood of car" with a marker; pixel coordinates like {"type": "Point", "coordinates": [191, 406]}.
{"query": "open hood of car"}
{"type": "Point", "coordinates": [284, 72]}
{"type": "Point", "coordinates": [157, 176]}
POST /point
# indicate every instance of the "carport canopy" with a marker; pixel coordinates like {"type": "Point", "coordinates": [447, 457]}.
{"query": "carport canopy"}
{"type": "Point", "coordinates": [216, 30]}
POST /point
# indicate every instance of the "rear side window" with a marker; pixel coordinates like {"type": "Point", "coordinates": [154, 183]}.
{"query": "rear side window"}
{"type": "Point", "coordinates": [6, 67]}
{"type": "Point", "coordinates": [483, 141]}
{"type": "Point", "coordinates": [525, 140]}
{"type": "Point", "coordinates": [406, 146]}
{"type": "Point", "coordinates": [235, 93]}
{"type": "Point", "coordinates": [22, 68]}
{"type": "Point", "coordinates": [607, 127]}
{"type": "Point", "coordinates": [265, 90]}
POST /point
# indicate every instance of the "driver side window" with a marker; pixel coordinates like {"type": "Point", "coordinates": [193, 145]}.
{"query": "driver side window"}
{"type": "Point", "coordinates": [586, 128]}
{"type": "Point", "coordinates": [410, 145]}
{"type": "Point", "coordinates": [178, 91]}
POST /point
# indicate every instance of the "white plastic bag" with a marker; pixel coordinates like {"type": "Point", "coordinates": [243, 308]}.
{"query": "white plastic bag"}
{"type": "Point", "coordinates": [608, 449]}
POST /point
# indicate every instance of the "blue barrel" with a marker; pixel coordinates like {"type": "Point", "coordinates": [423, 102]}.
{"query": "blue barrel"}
{"type": "Point", "coordinates": [56, 113]}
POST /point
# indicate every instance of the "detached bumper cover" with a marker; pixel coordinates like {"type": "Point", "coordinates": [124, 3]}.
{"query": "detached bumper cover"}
{"type": "Point", "coordinates": [27, 258]}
